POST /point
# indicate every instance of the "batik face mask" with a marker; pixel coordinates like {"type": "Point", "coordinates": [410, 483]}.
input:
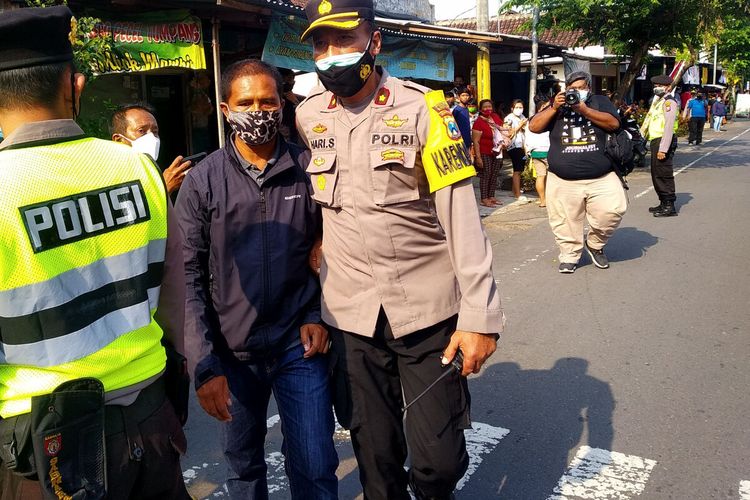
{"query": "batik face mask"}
{"type": "Point", "coordinates": [255, 127]}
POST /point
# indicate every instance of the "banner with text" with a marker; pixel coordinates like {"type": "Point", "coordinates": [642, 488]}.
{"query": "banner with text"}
{"type": "Point", "coordinates": [153, 41]}
{"type": "Point", "coordinates": [402, 57]}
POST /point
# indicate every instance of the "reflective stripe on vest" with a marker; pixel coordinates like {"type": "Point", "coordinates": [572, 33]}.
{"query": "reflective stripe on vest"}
{"type": "Point", "coordinates": [658, 119]}
{"type": "Point", "coordinates": [82, 241]}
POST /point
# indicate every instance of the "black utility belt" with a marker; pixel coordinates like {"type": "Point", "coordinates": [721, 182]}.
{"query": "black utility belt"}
{"type": "Point", "coordinates": [61, 442]}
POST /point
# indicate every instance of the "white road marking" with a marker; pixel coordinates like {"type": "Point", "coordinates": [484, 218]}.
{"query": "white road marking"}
{"type": "Point", "coordinates": [596, 474]}
{"type": "Point", "coordinates": [744, 490]}
{"type": "Point", "coordinates": [678, 172]}
{"type": "Point", "coordinates": [480, 440]}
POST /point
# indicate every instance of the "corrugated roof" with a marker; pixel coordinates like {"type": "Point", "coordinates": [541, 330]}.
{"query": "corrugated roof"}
{"type": "Point", "coordinates": [513, 24]}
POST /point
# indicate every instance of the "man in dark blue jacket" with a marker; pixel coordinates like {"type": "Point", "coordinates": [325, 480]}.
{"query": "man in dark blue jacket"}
{"type": "Point", "coordinates": [253, 304]}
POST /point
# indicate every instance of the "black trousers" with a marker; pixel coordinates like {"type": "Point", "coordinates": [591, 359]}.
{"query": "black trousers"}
{"type": "Point", "coordinates": [695, 128]}
{"type": "Point", "coordinates": [662, 171]}
{"type": "Point", "coordinates": [371, 379]}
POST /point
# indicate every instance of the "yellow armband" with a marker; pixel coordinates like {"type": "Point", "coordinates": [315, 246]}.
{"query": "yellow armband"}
{"type": "Point", "coordinates": [444, 155]}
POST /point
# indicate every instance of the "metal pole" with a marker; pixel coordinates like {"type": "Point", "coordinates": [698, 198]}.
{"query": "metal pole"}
{"type": "Point", "coordinates": [217, 78]}
{"type": "Point", "coordinates": [716, 53]}
{"type": "Point", "coordinates": [534, 59]}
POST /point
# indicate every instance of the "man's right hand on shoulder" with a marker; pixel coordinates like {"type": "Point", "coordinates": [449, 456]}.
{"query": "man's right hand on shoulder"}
{"type": "Point", "coordinates": [214, 398]}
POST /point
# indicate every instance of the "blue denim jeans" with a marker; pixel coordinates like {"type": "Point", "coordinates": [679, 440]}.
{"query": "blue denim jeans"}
{"type": "Point", "coordinates": [300, 387]}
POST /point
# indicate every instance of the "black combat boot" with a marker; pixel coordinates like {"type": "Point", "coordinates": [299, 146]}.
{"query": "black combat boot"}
{"type": "Point", "coordinates": [657, 207]}
{"type": "Point", "coordinates": [667, 210]}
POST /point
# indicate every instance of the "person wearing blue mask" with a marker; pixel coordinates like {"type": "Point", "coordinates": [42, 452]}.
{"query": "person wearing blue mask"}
{"type": "Point", "coordinates": [581, 181]}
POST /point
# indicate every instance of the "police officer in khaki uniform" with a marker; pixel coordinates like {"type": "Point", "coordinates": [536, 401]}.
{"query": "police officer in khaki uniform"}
{"type": "Point", "coordinates": [406, 269]}
{"type": "Point", "coordinates": [659, 128]}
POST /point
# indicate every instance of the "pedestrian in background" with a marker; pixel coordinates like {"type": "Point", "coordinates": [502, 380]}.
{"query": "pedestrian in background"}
{"type": "Point", "coordinates": [487, 136]}
{"type": "Point", "coordinates": [581, 182]}
{"type": "Point", "coordinates": [463, 117]}
{"type": "Point", "coordinates": [537, 147]}
{"type": "Point", "coordinates": [696, 112]}
{"type": "Point", "coordinates": [660, 130]}
{"type": "Point", "coordinates": [135, 125]}
{"type": "Point", "coordinates": [253, 305]}
{"type": "Point", "coordinates": [516, 123]}
{"type": "Point", "coordinates": [719, 112]}
{"type": "Point", "coordinates": [406, 268]}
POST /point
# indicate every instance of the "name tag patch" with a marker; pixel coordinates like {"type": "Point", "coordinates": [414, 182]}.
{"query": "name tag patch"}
{"type": "Point", "coordinates": [323, 143]}
{"type": "Point", "coordinates": [55, 223]}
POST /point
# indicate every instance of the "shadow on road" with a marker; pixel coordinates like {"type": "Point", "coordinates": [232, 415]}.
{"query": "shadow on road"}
{"type": "Point", "coordinates": [629, 243]}
{"type": "Point", "coordinates": [548, 413]}
{"type": "Point", "coordinates": [683, 199]}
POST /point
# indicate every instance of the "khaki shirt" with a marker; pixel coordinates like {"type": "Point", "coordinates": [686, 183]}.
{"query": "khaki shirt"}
{"type": "Point", "coordinates": [386, 240]}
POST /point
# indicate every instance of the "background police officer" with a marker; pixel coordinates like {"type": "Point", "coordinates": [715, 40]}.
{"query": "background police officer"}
{"type": "Point", "coordinates": [659, 128]}
{"type": "Point", "coordinates": [90, 283]}
{"type": "Point", "coordinates": [406, 268]}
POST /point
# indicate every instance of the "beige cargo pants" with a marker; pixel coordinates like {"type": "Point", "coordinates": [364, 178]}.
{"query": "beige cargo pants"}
{"type": "Point", "coordinates": [602, 201]}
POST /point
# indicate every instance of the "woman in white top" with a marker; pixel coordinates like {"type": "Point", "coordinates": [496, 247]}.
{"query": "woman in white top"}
{"type": "Point", "coordinates": [537, 146]}
{"type": "Point", "coordinates": [516, 122]}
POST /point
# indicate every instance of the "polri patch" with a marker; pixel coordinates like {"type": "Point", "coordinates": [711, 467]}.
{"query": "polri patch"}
{"type": "Point", "coordinates": [442, 109]}
{"type": "Point", "coordinates": [54, 223]}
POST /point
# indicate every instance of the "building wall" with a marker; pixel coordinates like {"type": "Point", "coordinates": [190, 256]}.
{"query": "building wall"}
{"type": "Point", "coordinates": [419, 8]}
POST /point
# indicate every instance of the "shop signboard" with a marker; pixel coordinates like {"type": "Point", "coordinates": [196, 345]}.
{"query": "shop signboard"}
{"type": "Point", "coordinates": [401, 56]}
{"type": "Point", "coordinates": [150, 41]}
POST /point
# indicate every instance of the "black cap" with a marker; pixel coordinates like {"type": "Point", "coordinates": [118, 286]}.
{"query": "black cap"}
{"type": "Point", "coordinates": [661, 80]}
{"type": "Point", "coordinates": [337, 14]}
{"type": "Point", "coordinates": [35, 37]}
{"type": "Point", "coordinates": [578, 75]}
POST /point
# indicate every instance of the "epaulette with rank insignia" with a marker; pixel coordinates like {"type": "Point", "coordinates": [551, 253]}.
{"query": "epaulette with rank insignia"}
{"type": "Point", "coordinates": [381, 99]}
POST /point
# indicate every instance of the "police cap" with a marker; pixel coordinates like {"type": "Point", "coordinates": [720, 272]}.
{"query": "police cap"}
{"type": "Point", "coordinates": [35, 37]}
{"type": "Point", "coordinates": [661, 80]}
{"type": "Point", "coordinates": [337, 14]}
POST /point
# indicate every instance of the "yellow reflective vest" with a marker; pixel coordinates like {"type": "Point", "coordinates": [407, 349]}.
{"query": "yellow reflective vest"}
{"type": "Point", "coordinates": [657, 119]}
{"type": "Point", "coordinates": [83, 227]}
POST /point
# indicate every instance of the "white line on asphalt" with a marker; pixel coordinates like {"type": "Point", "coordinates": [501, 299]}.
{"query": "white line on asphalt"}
{"type": "Point", "coordinates": [678, 172]}
{"type": "Point", "coordinates": [480, 440]}
{"type": "Point", "coordinates": [744, 490]}
{"type": "Point", "coordinates": [596, 474]}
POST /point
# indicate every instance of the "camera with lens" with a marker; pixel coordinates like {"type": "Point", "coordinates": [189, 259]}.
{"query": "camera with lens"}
{"type": "Point", "coordinates": [572, 97]}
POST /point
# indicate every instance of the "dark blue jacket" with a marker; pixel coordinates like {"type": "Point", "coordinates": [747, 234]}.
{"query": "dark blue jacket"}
{"type": "Point", "coordinates": [246, 248]}
{"type": "Point", "coordinates": [463, 120]}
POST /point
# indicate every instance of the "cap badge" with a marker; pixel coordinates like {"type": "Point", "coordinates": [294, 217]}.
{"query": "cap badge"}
{"type": "Point", "coordinates": [382, 98]}
{"type": "Point", "coordinates": [395, 122]}
{"type": "Point", "coordinates": [319, 128]}
{"type": "Point", "coordinates": [324, 7]}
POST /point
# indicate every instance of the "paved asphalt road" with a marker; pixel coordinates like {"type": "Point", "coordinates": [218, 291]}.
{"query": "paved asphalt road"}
{"type": "Point", "coordinates": [611, 384]}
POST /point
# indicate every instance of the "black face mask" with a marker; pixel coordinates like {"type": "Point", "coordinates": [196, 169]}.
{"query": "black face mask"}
{"type": "Point", "coordinates": [345, 81]}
